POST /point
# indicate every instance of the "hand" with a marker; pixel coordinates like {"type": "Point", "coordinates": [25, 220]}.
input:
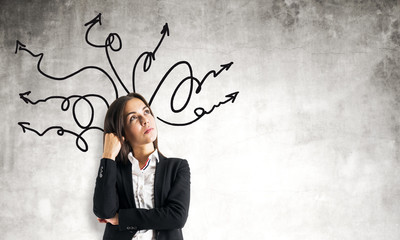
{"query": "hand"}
{"type": "Point", "coordinates": [112, 146]}
{"type": "Point", "coordinates": [113, 221]}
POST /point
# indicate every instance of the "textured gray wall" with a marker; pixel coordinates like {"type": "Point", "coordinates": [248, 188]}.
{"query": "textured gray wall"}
{"type": "Point", "coordinates": [308, 150]}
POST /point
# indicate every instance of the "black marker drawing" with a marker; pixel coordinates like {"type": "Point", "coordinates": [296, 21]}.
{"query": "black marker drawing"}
{"type": "Point", "coordinates": [114, 42]}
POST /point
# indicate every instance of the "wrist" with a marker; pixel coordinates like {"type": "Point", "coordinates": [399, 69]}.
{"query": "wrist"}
{"type": "Point", "coordinates": [109, 156]}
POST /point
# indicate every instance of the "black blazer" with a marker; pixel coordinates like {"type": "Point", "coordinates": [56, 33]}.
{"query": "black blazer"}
{"type": "Point", "coordinates": [114, 194]}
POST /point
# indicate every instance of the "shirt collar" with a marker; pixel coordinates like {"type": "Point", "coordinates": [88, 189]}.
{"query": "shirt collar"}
{"type": "Point", "coordinates": [153, 156]}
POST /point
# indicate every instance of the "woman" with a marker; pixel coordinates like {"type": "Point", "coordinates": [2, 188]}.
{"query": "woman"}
{"type": "Point", "coordinates": [139, 193]}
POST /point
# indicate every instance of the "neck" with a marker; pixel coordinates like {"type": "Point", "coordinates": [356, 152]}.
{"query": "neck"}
{"type": "Point", "coordinates": [143, 152]}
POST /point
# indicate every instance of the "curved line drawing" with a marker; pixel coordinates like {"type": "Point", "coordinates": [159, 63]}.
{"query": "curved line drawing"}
{"type": "Point", "coordinates": [113, 42]}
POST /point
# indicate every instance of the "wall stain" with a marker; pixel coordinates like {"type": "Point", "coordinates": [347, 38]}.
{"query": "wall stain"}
{"type": "Point", "coordinates": [395, 36]}
{"type": "Point", "coordinates": [386, 79]}
{"type": "Point", "coordinates": [287, 15]}
{"type": "Point", "coordinates": [387, 75]}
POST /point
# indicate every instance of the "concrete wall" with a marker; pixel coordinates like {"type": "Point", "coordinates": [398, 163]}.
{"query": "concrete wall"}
{"type": "Point", "coordinates": [309, 149]}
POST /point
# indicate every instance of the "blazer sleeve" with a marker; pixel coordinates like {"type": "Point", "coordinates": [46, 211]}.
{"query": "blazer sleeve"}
{"type": "Point", "coordinates": [105, 199]}
{"type": "Point", "coordinates": [172, 215]}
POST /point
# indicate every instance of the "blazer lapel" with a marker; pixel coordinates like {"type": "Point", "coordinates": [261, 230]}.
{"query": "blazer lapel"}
{"type": "Point", "coordinates": [158, 180]}
{"type": "Point", "coordinates": [127, 183]}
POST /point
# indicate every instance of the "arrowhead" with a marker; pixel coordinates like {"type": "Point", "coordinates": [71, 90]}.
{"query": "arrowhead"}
{"type": "Point", "coordinates": [22, 125]}
{"type": "Point", "coordinates": [22, 96]}
{"type": "Point", "coordinates": [18, 46]}
{"type": "Point", "coordinates": [226, 66]}
{"type": "Point", "coordinates": [165, 29]}
{"type": "Point", "coordinates": [232, 96]}
{"type": "Point", "coordinates": [95, 20]}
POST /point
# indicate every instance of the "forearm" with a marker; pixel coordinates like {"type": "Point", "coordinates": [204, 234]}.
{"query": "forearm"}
{"type": "Point", "coordinates": [172, 215]}
{"type": "Point", "coordinates": [158, 218]}
{"type": "Point", "coordinates": [105, 199]}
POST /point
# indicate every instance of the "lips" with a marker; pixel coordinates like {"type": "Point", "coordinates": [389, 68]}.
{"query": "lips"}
{"type": "Point", "coordinates": [148, 130]}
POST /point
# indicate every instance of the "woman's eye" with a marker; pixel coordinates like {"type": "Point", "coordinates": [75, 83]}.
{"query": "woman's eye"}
{"type": "Point", "coordinates": [132, 118]}
{"type": "Point", "coordinates": [147, 111]}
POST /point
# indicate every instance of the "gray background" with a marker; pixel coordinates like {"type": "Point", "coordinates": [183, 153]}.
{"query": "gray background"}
{"type": "Point", "coordinates": [309, 149]}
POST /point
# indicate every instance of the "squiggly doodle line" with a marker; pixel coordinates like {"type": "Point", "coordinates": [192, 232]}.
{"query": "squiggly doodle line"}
{"type": "Point", "coordinates": [114, 42]}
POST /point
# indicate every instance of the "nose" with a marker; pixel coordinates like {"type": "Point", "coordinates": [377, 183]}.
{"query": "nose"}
{"type": "Point", "coordinates": [144, 121]}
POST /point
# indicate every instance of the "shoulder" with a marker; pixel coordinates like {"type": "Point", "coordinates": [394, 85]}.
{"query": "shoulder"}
{"type": "Point", "coordinates": [175, 164]}
{"type": "Point", "coordinates": [177, 168]}
{"type": "Point", "coordinates": [173, 160]}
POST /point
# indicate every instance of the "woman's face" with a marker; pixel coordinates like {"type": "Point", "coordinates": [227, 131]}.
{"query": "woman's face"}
{"type": "Point", "coordinates": [140, 127]}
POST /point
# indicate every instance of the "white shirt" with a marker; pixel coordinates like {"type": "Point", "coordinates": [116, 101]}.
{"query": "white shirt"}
{"type": "Point", "coordinates": [143, 188]}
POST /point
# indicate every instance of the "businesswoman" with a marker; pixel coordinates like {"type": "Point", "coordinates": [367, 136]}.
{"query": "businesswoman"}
{"type": "Point", "coordinates": [139, 193]}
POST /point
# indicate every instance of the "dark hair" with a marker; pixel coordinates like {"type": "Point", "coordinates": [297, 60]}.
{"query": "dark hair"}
{"type": "Point", "coordinates": [114, 123]}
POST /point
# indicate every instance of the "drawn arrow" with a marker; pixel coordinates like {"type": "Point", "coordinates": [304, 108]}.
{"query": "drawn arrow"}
{"type": "Point", "coordinates": [22, 47]}
{"type": "Point", "coordinates": [22, 96]}
{"type": "Point", "coordinates": [22, 124]}
{"type": "Point", "coordinates": [165, 29]}
{"type": "Point", "coordinates": [95, 20]}
{"type": "Point", "coordinates": [225, 67]}
{"type": "Point", "coordinates": [61, 131]}
{"type": "Point", "coordinates": [214, 73]}
{"type": "Point", "coordinates": [231, 97]}
{"type": "Point", "coordinates": [91, 24]}
{"type": "Point", "coordinates": [200, 112]}
{"type": "Point", "coordinates": [19, 46]}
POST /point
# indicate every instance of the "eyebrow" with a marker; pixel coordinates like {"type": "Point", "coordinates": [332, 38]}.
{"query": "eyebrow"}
{"type": "Point", "coordinates": [135, 112]}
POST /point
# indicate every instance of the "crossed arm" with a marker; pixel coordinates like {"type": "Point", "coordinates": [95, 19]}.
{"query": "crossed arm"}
{"type": "Point", "coordinates": [171, 215]}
